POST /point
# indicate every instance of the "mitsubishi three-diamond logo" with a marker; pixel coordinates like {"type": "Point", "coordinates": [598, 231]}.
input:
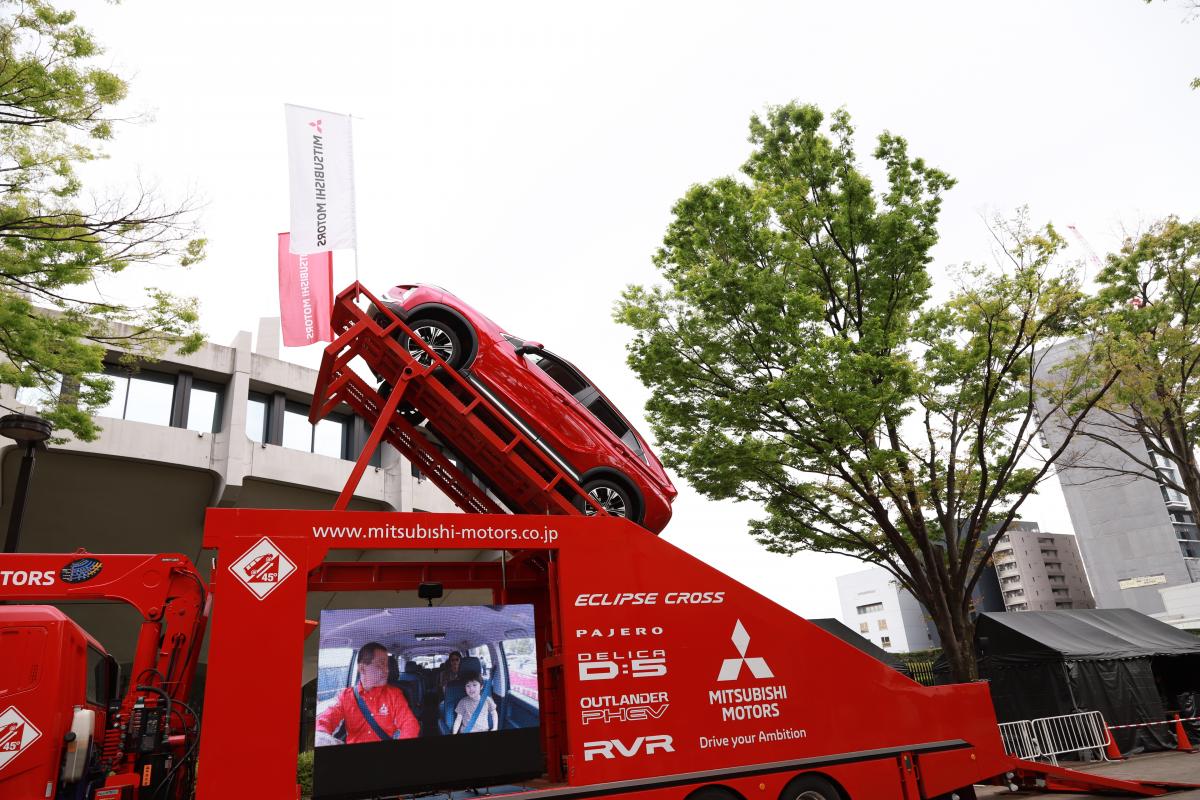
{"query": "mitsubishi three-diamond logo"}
{"type": "Point", "coordinates": [262, 568]}
{"type": "Point", "coordinates": [731, 668]}
{"type": "Point", "coordinates": [16, 734]}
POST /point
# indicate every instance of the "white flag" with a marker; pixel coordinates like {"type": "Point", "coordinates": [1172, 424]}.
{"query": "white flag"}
{"type": "Point", "coordinates": [321, 169]}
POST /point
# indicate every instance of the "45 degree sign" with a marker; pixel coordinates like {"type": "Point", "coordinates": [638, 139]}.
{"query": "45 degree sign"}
{"type": "Point", "coordinates": [629, 664]}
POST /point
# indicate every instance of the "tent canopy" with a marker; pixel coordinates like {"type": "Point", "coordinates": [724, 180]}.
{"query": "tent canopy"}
{"type": "Point", "coordinates": [1080, 635]}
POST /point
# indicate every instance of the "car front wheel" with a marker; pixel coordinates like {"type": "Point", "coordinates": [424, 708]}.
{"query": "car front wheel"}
{"type": "Point", "coordinates": [615, 499]}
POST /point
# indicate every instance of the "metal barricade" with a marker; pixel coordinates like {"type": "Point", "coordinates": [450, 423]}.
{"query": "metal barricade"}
{"type": "Point", "coordinates": [1019, 740]}
{"type": "Point", "coordinates": [1071, 733]}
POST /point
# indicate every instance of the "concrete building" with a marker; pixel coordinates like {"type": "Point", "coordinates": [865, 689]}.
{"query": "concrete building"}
{"type": "Point", "coordinates": [1183, 607]}
{"type": "Point", "coordinates": [226, 426]}
{"type": "Point", "coordinates": [1136, 536]}
{"type": "Point", "coordinates": [874, 605]}
{"type": "Point", "coordinates": [1039, 571]}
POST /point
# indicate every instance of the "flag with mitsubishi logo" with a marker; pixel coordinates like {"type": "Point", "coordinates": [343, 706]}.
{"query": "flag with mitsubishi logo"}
{"type": "Point", "coordinates": [321, 172]}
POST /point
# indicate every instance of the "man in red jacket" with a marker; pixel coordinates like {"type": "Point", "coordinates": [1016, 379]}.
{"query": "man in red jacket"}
{"type": "Point", "coordinates": [387, 713]}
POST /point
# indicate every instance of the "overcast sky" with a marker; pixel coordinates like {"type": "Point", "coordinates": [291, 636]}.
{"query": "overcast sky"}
{"type": "Point", "coordinates": [526, 156]}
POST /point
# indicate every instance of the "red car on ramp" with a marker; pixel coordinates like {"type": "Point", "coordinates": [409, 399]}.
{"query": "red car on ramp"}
{"type": "Point", "coordinates": [547, 397]}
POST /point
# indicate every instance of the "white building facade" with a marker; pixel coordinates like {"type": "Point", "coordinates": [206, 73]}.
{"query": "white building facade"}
{"type": "Point", "coordinates": [876, 607]}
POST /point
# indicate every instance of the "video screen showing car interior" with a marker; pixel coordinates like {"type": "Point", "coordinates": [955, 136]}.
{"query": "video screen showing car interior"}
{"type": "Point", "coordinates": [418, 699]}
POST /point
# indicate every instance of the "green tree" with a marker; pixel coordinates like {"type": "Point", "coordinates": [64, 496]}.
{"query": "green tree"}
{"type": "Point", "coordinates": [794, 360]}
{"type": "Point", "coordinates": [1146, 327]}
{"type": "Point", "coordinates": [55, 244]}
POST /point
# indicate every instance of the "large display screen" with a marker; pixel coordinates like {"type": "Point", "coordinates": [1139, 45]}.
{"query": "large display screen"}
{"type": "Point", "coordinates": [417, 699]}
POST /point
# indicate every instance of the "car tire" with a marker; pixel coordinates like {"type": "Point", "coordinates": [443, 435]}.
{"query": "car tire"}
{"type": "Point", "coordinates": [613, 497]}
{"type": "Point", "coordinates": [440, 337]}
{"type": "Point", "coordinates": [405, 410]}
{"type": "Point", "coordinates": [810, 787]}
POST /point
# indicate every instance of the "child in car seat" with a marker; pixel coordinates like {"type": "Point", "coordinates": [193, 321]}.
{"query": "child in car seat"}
{"type": "Point", "coordinates": [468, 716]}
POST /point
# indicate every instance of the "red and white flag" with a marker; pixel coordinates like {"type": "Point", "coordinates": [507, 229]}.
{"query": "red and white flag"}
{"type": "Point", "coordinates": [321, 172]}
{"type": "Point", "coordinates": [305, 295]}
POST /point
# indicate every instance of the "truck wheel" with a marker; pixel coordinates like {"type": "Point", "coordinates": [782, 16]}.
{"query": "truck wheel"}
{"type": "Point", "coordinates": [810, 787]}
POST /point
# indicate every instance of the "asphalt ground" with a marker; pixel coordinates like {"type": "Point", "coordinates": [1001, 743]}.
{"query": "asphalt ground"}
{"type": "Point", "coordinates": [1171, 766]}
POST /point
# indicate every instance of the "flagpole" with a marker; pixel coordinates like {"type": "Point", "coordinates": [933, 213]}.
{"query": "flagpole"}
{"type": "Point", "coordinates": [354, 195]}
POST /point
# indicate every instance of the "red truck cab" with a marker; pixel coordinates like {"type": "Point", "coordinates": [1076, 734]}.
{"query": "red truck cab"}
{"type": "Point", "coordinates": [56, 683]}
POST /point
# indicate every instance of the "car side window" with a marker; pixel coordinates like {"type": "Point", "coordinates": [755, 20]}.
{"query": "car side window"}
{"type": "Point", "coordinates": [560, 373]}
{"type": "Point", "coordinates": [612, 420]}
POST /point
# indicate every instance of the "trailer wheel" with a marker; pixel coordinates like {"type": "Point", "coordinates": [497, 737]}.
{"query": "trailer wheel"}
{"type": "Point", "coordinates": [441, 338]}
{"type": "Point", "coordinates": [714, 793]}
{"type": "Point", "coordinates": [810, 787]}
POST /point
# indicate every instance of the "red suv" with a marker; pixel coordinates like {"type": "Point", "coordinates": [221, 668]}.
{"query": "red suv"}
{"type": "Point", "coordinates": [544, 395]}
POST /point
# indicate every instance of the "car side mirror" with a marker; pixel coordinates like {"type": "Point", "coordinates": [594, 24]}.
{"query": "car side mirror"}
{"type": "Point", "coordinates": [529, 347]}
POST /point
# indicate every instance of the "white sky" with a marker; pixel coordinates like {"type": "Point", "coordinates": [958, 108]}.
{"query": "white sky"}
{"type": "Point", "coordinates": [526, 156]}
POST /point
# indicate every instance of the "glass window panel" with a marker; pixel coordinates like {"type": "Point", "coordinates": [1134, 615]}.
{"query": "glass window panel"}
{"type": "Point", "coordinates": [39, 396]}
{"type": "Point", "coordinates": [560, 373]}
{"type": "Point", "coordinates": [297, 432]}
{"type": "Point", "coordinates": [116, 403]}
{"type": "Point", "coordinates": [150, 398]}
{"type": "Point", "coordinates": [256, 419]}
{"type": "Point", "coordinates": [204, 408]}
{"type": "Point", "coordinates": [330, 436]}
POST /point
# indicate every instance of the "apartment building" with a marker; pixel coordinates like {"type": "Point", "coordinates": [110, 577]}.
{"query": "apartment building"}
{"type": "Point", "coordinates": [1040, 571]}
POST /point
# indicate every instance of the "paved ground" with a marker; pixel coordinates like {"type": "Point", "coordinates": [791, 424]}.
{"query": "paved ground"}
{"type": "Point", "coordinates": [1176, 767]}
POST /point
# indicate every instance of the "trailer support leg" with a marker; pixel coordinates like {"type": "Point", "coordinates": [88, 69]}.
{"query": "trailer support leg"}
{"type": "Point", "coordinates": [364, 458]}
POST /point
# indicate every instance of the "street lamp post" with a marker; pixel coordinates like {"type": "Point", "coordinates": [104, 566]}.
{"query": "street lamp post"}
{"type": "Point", "coordinates": [30, 431]}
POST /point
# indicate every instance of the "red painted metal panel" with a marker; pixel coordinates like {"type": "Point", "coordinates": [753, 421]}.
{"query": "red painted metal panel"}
{"type": "Point", "coordinates": [667, 665]}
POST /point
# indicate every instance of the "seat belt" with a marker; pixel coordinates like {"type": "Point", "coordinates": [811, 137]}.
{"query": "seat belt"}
{"type": "Point", "coordinates": [485, 694]}
{"type": "Point", "coordinates": [366, 712]}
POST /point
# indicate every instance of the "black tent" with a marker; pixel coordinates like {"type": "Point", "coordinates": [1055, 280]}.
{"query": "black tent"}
{"type": "Point", "coordinates": [1130, 667]}
{"type": "Point", "coordinates": [831, 625]}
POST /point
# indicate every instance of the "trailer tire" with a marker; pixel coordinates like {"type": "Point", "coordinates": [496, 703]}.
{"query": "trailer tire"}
{"type": "Point", "coordinates": [811, 787]}
{"type": "Point", "coordinates": [714, 793]}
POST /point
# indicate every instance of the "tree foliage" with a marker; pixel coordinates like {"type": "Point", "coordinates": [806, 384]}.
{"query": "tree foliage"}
{"type": "Point", "coordinates": [55, 241]}
{"type": "Point", "coordinates": [795, 360]}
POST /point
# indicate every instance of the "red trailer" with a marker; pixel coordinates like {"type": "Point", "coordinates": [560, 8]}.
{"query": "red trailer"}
{"type": "Point", "coordinates": [653, 674]}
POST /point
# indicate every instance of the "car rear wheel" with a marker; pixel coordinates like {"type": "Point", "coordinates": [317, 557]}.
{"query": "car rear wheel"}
{"type": "Point", "coordinates": [441, 339]}
{"type": "Point", "coordinates": [404, 409]}
{"type": "Point", "coordinates": [615, 499]}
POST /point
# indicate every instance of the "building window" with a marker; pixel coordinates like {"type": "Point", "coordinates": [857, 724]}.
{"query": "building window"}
{"type": "Point", "coordinates": [864, 627]}
{"type": "Point", "coordinates": [176, 400]}
{"type": "Point", "coordinates": [257, 412]}
{"type": "Point", "coordinates": [273, 419]}
{"type": "Point", "coordinates": [882, 624]}
{"type": "Point", "coordinates": [1018, 607]}
{"type": "Point", "coordinates": [1067, 604]}
{"type": "Point", "coordinates": [870, 608]}
{"type": "Point", "coordinates": [886, 641]}
{"type": "Point", "coordinates": [329, 437]}
{"type": "Point", "coordinates": [39, 397]}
